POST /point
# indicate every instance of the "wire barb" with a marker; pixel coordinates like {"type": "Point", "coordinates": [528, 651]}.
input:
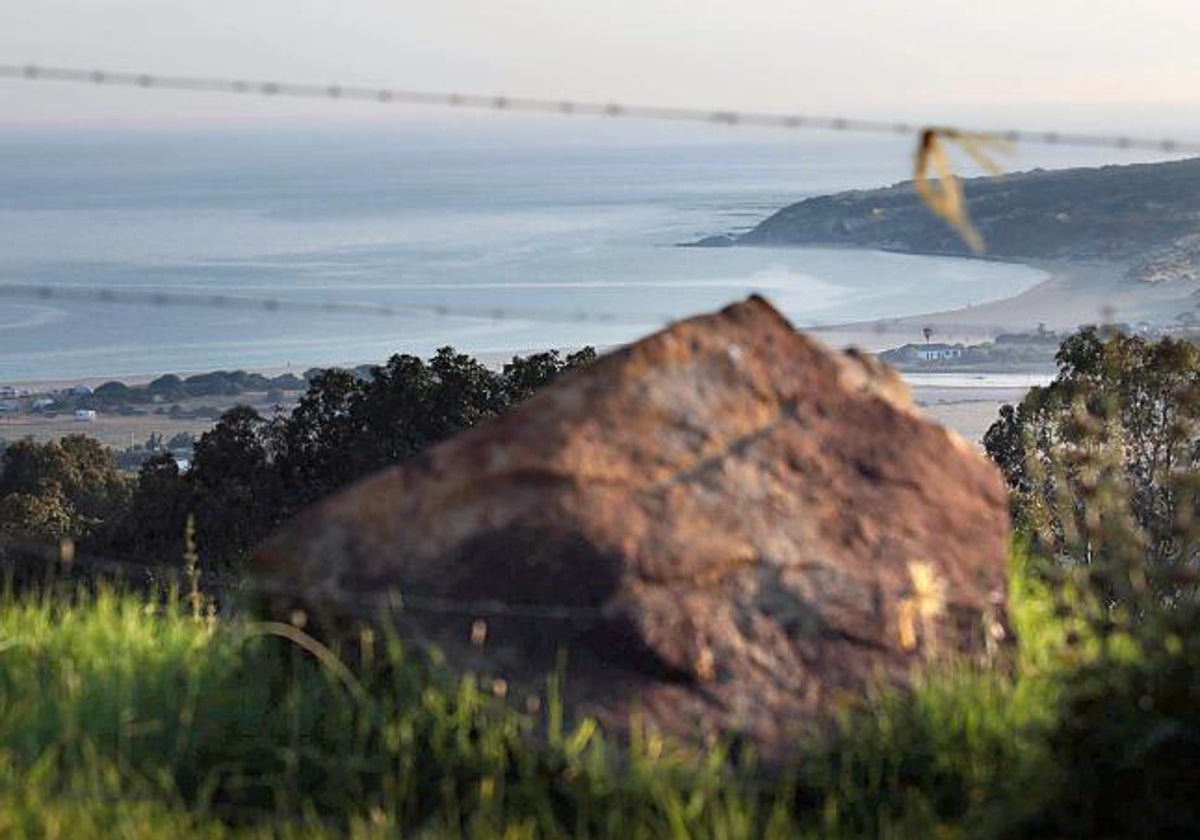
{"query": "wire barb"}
{"type": "Point", "coordinates": [278, 306]}
{"type": "Point", "coordinates": [16, 549]}
{"type": "Point", "coordinates": [721, 116]}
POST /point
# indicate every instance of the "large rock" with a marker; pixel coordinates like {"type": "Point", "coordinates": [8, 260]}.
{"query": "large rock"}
{"type": "Point", "coordinates": [746, 526]}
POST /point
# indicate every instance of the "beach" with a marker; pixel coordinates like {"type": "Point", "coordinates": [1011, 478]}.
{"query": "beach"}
{"type": "Point", "coordinates": [182, 254]}
{"type": "Point", "coordinates": [1071, 295]}
{"type": "Point", "coordinates": [339, 251]}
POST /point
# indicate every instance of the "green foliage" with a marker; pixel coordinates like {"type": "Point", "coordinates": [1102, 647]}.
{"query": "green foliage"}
{"type": "Point", "coordinates": [1127, 741]}
{"type": "Point", "coordinates": [46, 514]}
{"type": "Point", "coordinates": [66, 488]}
{"type": "Point", "coordinates": [234, 485]}
{"type": "Point", "coordinates": [159, 509]}
{"type": "Point", "coordinates": [1109, 450]}
{"type": "Point", "coordinates": [251, 473]}
{"type": "Point", "coordinates": [162, 719]}
{"type": "Point", "coordinates": [144, 716]}
{"type": "Point", "coordinates": [1104, 465]}
{"type": "Point", "coordinates": [130, 713]}
{"type": "Point", "coordinates": [171, 388]}
{"type": "Point", "coordinates": [523, 376]}
{"type": "Point", "coordinates": [1126, 726]}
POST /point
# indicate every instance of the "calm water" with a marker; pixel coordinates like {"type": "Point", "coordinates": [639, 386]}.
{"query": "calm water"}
{"type": "Point", "coordinates": [539, 244]}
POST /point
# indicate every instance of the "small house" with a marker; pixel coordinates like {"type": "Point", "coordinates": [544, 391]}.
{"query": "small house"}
{"type": "Point", "coordinates": [84, 415]}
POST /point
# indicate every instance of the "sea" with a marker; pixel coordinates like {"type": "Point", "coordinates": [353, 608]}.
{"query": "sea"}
{"type": "Point", "coordinates": [135, 252]}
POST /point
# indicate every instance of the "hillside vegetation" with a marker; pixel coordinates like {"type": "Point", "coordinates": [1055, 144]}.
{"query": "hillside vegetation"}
{"type": "Point", "coordinates": [139, 716]}
{"type": "Point", "coordinates": [250, 473]}
{"type": "Point", "coordinates": [1123, 213]}
{"type": "Point", "coordinates": [148, 712]}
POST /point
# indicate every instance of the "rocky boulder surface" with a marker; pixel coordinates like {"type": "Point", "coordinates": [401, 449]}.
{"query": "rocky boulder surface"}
{"type": "Point", "coordinates": [727, 525]}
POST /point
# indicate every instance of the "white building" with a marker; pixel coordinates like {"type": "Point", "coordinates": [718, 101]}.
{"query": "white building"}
{"type": "Point", "coordinates": [84, 415]}
{"type": "Point", "coordinates": [938, 352]}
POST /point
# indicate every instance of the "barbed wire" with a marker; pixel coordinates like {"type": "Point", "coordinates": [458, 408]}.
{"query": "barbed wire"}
{"type": "Point", "coordinates": [35, 72]}
{"type": "Point", "coordinates": [899, 324]}
{"type": "Point", "coordinates": [273, 305]}
{"type": "Point", "coordinates": [64, 556]}
{"type": "Point", "coordinates": [566, 107]}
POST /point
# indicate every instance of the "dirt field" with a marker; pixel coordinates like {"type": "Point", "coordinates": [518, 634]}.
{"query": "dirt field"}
{"type": "Point", "coordinates": [121, 431]}
{"type": "Point", "coordinates": [969, 411]}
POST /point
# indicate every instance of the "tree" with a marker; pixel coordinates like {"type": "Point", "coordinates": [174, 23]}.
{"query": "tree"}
{"type": "Point", "coordinates": [113, 392]}
{"type": "Point", "coordinates": [523, 376]}
{"type": "Point", "coordinates": [1103, 466]}
{"type": "Point", "coordinates": [71, 487]}
{"type": "Point", "coordinates": [237, 490]}
{"type": "Point", "coordinates": [407, 405]}
{"type": "Point", "coordinates": [463, 392]}
{"type": "Point", "coordinates": [162, 500]}
{"type": "Point", "coordinates": [168, 387]}
{"type": "Point", "coordinates": [1121, 418]}
{"type": "Point", "coordinates": [250, 473]}
{"type": "Point", "coordinates": [315, 448]}
{"type": "Point", "coordinates": [43, 515]}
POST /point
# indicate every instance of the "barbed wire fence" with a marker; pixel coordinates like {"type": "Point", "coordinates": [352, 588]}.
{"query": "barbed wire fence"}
{"type": "Point", "coordinates": [49, 557]}
{"type": "Point", "coordinates": [566, 107]}
{"type": "Point", "coordinates": [927, 139]}
{"type": "Point", "coordinates": [51, 292]}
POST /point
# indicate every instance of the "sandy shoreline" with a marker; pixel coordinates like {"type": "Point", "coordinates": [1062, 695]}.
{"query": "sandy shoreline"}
{"type": "Point", "coordinates": [1073, 293]}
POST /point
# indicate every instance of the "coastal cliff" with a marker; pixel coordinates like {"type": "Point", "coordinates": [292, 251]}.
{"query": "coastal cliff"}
{"type": "Point", "coordinates": [1145, 215]}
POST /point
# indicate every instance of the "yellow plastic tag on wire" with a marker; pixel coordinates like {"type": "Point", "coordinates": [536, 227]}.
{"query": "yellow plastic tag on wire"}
{"type": "Point", "coordinates": [943, 194]}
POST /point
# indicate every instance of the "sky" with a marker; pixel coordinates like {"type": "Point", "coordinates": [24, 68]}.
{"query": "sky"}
{"type": "Point", "coordinates": [1059, 63]}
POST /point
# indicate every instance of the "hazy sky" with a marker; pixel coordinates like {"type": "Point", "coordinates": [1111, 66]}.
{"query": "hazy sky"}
{"type": "Point", "coordinates": [901, 58]}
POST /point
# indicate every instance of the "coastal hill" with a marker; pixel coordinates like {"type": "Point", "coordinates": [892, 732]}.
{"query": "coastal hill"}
{"type": "Point", "coordinates": [1144, 215]}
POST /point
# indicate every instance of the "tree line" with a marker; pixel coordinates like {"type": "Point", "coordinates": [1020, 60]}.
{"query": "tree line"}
{"type": "Point", "coordinates": [1113, 443]}
{"type": "Point", "coordinates": [251, 472]}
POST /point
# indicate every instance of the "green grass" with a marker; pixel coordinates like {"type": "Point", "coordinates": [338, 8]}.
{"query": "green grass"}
{"type": "Point", "coordinates": [123, 716]}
